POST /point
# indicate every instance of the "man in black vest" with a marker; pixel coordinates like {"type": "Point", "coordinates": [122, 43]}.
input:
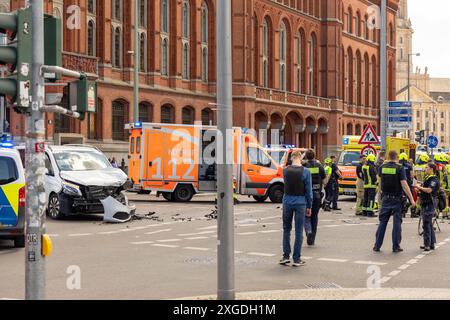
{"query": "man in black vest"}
{"type": "Point", "coordinates": [297, 202]}
{"type": "Point", "coordinates": [393, 184]}
{"type": "Point", "coordinates": [318, 178]}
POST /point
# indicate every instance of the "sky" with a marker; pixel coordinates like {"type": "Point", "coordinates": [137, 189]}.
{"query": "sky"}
{"type": "Point", "coordinates": [431, 22]}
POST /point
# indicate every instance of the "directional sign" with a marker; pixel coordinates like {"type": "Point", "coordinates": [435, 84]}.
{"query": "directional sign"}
{"type": "Point", "coordinates": [400, 104]}
{"type": "Point", "coordinates": [369, 150]}
{"type": "Point", "coordinates": [400, 112]}
{"type": "Point", "coordinates": [369, 136]}
{"type": "Point", "coordinates": [433, 142]}
{"type": "Point", "coordinates": [400, 119]}
{"type": "Point", "coordinates": [400, 115]}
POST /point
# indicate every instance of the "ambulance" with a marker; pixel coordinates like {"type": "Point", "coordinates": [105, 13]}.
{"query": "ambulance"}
{"type": "Point", "coordinates": [179, 161]}
{"type": "Point", "coordinates": [12, 195]}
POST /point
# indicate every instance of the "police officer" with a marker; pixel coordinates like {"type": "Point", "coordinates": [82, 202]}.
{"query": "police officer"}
{"type": "Point", "coordinates": [318, 178]}
{"type": "Point", "coordinates": [409, 177]}
{"type": "Point", "coordinates": [328, 171]}
{"type": "Point", "coordinates": [370, 186]}
{"type": "Point", "coordinates": [360, 185]}
{"type": "Point", "coordinates": [334, 180]}
{"type": "Point", "coordinates": [428, 199]}
{"type": "Point", "coordinates": [393, 184]}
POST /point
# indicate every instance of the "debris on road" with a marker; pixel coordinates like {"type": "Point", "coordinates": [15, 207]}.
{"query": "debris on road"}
{"type": "Point", "coordinates": [212, 215]}
{"type": "Point", "coordinates": [150, 216]}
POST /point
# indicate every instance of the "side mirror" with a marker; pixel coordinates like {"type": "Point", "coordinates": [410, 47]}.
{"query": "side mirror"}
{"type": "Point", "coordinates": [46, 172]}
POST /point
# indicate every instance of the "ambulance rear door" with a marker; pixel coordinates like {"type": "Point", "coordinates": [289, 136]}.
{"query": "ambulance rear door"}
{"type": "Point", "coordinates": [154, 140]}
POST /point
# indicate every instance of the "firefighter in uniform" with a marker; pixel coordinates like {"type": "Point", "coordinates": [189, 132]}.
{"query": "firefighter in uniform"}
{"type": "Point", "coordinates": [328, 171]}
{"type": "Point", "coordinates": [419, 168]}
{"type": "Point", "coordinates": [428, 197]}
{"type": "Point", "coordinates": [393, 184]}
{"type": "Point", "coordinates": [446, 186]}
{"type": "Point", "coordinates": [409, 178]}
{"type": "Point", "coordinates": [318, 178]}
{"type": "Point", "coordinates": [369, 173]}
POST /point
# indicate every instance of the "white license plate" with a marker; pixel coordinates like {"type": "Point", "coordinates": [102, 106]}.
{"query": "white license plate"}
{"type": "Point", "coordinates": [349, 191]}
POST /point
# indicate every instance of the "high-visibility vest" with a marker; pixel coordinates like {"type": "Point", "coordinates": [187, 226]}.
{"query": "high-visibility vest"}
{"type": "Point", "coordinates": [368, 183]}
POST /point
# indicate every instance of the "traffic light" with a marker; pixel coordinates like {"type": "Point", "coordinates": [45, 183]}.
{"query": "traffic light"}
{"type": "Point", "coordinates": [17, 56]}
{"type": "Point", "coordinates": [83, 96]}
{"type": "Point", "coordinates": [52, 45]}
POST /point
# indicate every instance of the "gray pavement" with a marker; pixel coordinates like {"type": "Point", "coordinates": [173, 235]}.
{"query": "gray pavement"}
{"type": "Point", "coordinates": [176, 257]}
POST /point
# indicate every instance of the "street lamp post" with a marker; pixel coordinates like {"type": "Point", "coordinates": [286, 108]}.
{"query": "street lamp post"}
{"type": "Point", "coordinates": [136, 63]}
{"type": "Point", "coordinates": [409, 81]}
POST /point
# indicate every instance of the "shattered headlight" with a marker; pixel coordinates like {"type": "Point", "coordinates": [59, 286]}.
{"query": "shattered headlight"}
{"type": "Point", "coordinates": [127, 185]}
{"type": "Point", "coordinates": [71, 189]}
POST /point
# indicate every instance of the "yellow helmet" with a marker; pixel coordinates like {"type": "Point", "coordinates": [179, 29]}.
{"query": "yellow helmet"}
{"type": "Point", "coordinates": [328, 161]}
{"type": "Point", "coordinates": [404, 156]}
{"type": "Point", "coordinates": [424, 158]}
{"type": "Point", "coordinates": [371, 158]}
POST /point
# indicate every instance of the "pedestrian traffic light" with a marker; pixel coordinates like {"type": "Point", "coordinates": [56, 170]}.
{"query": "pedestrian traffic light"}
{"type": "Point", "coordinates": [83, 96]}
{"type": "Point", "coordinates": [53, 45]}
{"type": "Point", "coordinates": [17, 55]}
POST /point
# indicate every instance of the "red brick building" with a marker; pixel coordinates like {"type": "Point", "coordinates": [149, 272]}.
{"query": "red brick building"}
{"type": "Point", "coordinates": [309, 68]}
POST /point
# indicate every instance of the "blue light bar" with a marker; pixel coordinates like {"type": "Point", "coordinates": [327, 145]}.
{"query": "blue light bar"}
{"type": "Point", "coordinates": [138, 124]}
{"type": "Point", "coordinates": [7, 145]}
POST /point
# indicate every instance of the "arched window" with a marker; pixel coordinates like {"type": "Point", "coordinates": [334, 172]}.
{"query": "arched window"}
{"type": "Point", "coordinates": [366, 27]}
{"type": "Point", "coordinates": [266, 52]}
{"type": "Point", "coordinates": [185, 66]}
{"type": "Point", "coordinates": [358, 24]}
{"type": "Point", "coordinates": [366, 81]}
{"type": "Point", "coordinates": [117, 10]}
{"type": "Point", "coordinates": [391, 35]}
{"type": "Point", "coordinates": [164, 57]}
{"type": "Point", "coordinates": [207, 117]}
{"type": "Point", "coordinates": [91, 38]}
{"type": "Point", "coordinates": [374, 83]}
{"type": "Point", "coordinates": [188, 115]}
{"type": "Point", "coordinates": [283, 44]}
{"type": "Point", "coordinates": [358, 79]}
{"type": "Point", "coordinates": [143, 53]}
{"type": "Point", "coordinates": [165, 16]}
{"type": "Point", "coordinates": [205, 41]}
{"type": "Point", "coordinates": [185, 19]}
{"type": "Point", "coordinates": [350, 77]}
{"type": "Point", "coordinates": [145, 112]}
{"type": "Point", "coordinates": [312, 66]}
{"type": "Point", "coordinates": [117, 48]}
{"type": "Point", "coordinates": [167, 114]}
{"type": "Point", "coordinates": [91, 6]}
{"type": "Point", "coordinates": [300, 41]}
{"type": "Point", "coordinates": [119, 119]}
{"type": "Point", "coordinates": [350, 21]}
{"type": "Point", "coordinates": [143, 13]}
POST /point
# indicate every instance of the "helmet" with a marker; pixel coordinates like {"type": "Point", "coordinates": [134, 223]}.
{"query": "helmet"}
{"type": "Point", "coordinates": [371, 158]}
{"type": "Point", "coordinates": [438, 158]}
{"type": "Point", "coordinates": [328, 161]}
{"type": "Point", "coordinates": [403, 156]}
{"type": "Point", "coordinates": [424, 158]}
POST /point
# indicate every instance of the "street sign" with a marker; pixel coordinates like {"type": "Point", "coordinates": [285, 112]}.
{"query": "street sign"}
{"type": "Point", "coordinates": [369, 150]}
{"type": "Point", "coordinates": [400, 115]}
{"type": "Point", "coordinates": [433, 142]}
{"type": "Point", "coordinates": [369, 136]}
{"type": "Point", "coordinates": [400, 104]}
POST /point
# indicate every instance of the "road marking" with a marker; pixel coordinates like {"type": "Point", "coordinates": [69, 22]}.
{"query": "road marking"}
{"type": "Point", "coordinates": [371, 263]}
{"type": "Point", "coordinates": [394, 273]}
{"type": "Point", "coordinates": [164, 245]}
{"type": "Point", "coordinates": [207, 228]}
{"type": "Point", "coordinates": [246, 233]}
{"type": "Point", "coordinates": [385, 279]}
{"type": "Point", "coordinates": [404, 267]}
{"type": "Point", "coordinates": [195, 234]}
{"type": "Point", "coordinates": [261, 254]}
{"type": "Point", "coordinates": [197, 238]}
{"type": "Point", "coordinates": [441, 243]}
{"type": "Point", "coordinates": [238, 252]}
{"type": "Point", "coordinates": [80, 234]}
{"type": "Point", "coordinates": [332, 260]}
{"type": "Point", "coordinates": [53, 235]}
{"type": "Point", "coordinates": [142, 242]}
{"type": "Point", "coordinates": [269, 231]}
{"type": "Point", "coordinates": [332, 226]}
{"type": "Point", "coordinates": [413, 261]}
{"type": "Point", "coordinates": [198, 249]}
{"type": "Point", "coordinates": [108, 232]}
{"type": "Point", "coordinates": [420, 256]}
{"type": "Point", "coordinates": [125, 230]}
{"type": "Point", "coordinates": [170, 240]}
{"type": "Point", "coordinates": [270, 218]}
{"type": "Point", "coordinates": [159, 231]}
{"type": "Point", "coordinates": [307, 258]}
{"type": "Point", "coordinates": [447, 240]}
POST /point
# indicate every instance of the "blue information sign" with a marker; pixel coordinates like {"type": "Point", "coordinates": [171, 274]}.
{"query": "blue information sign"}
{"type": "Point", "coordinates": [433, 141]}
{"type": "Point", "coordinates": [400, 104]}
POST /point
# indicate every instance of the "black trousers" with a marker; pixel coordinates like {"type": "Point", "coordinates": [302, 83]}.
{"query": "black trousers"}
{"type": "Point", "coordinates": [313, 221]}
{"type": "Point", "coordinates": [369, 200]}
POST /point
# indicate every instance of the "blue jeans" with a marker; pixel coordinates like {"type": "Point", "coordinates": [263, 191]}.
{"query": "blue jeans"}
{"type": "Point", "coordinates": [390, 206]}
{"type": "Point", "coordinates": [296, 213]}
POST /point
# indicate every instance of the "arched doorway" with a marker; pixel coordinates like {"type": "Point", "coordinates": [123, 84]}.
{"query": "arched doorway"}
{"type": "Point", "coordinates": [294, 128]}
{"type": "Point", "coordinates": [322, 144]}
{"type": "Point", "coordinates": [276, 134]}
{"type": "Point", "coordinates": [167, 114]}
{"type": "Point", "coordinates": [311, 133]}
{"type": "Point", "coordinates": [261, 126]}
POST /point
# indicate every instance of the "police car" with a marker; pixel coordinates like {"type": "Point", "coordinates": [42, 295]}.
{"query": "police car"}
{"type": "Point", "coordinates": [12, 195]}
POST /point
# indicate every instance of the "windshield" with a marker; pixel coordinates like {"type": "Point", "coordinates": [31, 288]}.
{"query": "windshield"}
{"type": "Point", "coordinates": [81, 160]}
{"type": "Point", "coordinates": [349, 158]}
{"type": "Point", "coordinates": [278, 155]}
{"type": "Point", "coordinates": [8, 170]}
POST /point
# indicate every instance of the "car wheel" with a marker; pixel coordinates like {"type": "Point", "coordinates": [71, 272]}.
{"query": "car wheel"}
{"type": "Point", "coordinates": [54, 207]}
{"type": "Point", "coordinates": [276, 193]}
{"type": "Point", "coordinates": [183, 193]}
{"type": "Point", "coordinates": [260, 199]}
{"type": "Point", "coordinates": [19, 242]}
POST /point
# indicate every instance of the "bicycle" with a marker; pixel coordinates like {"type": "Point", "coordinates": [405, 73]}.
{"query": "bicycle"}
{"type": "Point", "coordinates": [435, 225]}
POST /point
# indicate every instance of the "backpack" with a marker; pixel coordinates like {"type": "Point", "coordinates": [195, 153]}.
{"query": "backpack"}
{"type": "Point", "coordinates": [442, 200]}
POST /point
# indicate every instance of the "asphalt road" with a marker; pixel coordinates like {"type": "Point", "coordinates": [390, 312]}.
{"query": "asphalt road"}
{"type": "Point", "coordinates": [174, 255]}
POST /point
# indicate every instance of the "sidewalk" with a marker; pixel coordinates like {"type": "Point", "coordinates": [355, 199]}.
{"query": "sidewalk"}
{"type": "Point", "coordinates": [341, 294]}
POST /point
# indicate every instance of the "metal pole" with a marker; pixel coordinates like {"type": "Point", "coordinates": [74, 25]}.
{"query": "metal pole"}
{"type": "Point", "coordinates": [2, 115]}
{"type": "Point", "coordinates": [136, 63]}
{"type": "Point", "coordinates": [35, 199]}
{"type": "Point", "coordinates": [383, 67]}
{"type": "Point", "coordinates": [225, 250]}
{"type": "Point", "coordinates": [409, 88]}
